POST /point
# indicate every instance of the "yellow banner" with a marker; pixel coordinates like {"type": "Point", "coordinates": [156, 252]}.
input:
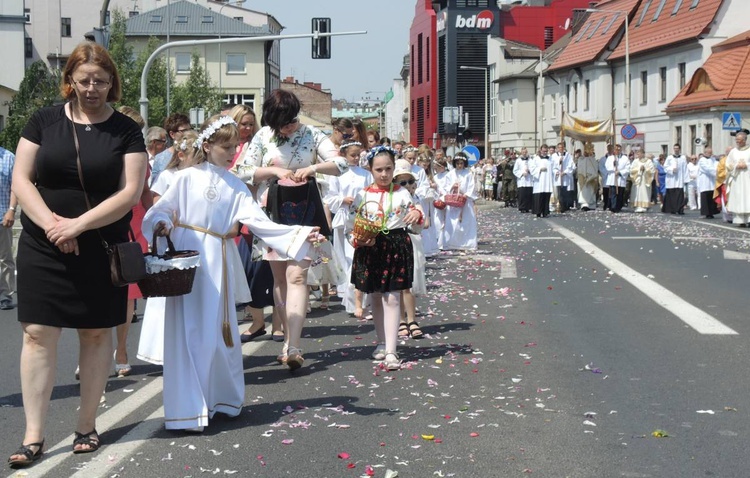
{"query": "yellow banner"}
{"type": "Point", "coordinates": [583, 130]}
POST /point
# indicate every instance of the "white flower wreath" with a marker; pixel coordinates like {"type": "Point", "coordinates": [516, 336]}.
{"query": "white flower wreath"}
{"type": "Point", "coordinates": [212, 129]}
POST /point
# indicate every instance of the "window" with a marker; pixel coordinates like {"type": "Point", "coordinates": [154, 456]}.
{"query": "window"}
{"type": "Point", "coordinates": [181, 19]}
{"type": "Point", "coordinates": [681, 73]}
{"type": "Point", "coordinates": [28, 48]}
{"type": "Point", "coordinates": [65, 27]}
{"type": "Point", "coordinates": [549, 37]}
{"type": "Point", "coordinates": [132, 14]}
{"type": "Point", "coordinates": [586, 95]}
{"type": "Point", "coordinates": [664, 149]}
{"type": "Point", "coordinates": [598, 24]}
{"type": "Point", "coordinates": [693, 134]}
{"type": "Point", "coordinates": [411, 68]}
{"type": "Point", "coordinates": [694, 4]}
{"type": "Point", "coordinates": [709, 134]}
{"type": "Point", "coordinates": [240, 99]}
{"type": "Point", "coordinates": [659, 9]}
{"type": "Point", "coordinates": [510, 110]}
{"type": "Point", "coordinates": [643, 13]}
{"type": "Point", "coordinates": [583, 32]}
{"type": "Point", "coordinates": [427, 113]}
{"type": "Point", "coordinates": [236, 63]}
{"type": "Point", "coordinates": [420, 52]}
{"type": "Point", "coordinates": [27, 14]}
{"type": "Point", "coordinates": [677, 6]}
{"type": "Point", "coordinates": [502, 111]}
{"type": "Point", "coordinates": [155, 19]}
{"type": "Point", "coordinates": [182, 62]}
{"type": "Point", "coordinates": [567, 94]}
{"type": "Point", "coordinates": [574, 105]}
{"type": "Point", "coordinates": [663, 83]}
{"type": "Point", "coordinates": [644, 87]}
{"type": "Point", "coordinates": [427, 57]}
{"type": "Point", "coordinates": [611, 22]}
{"type": "Point", "coordinates": [553, 113]}
{"type": "Point", "coordinates": [678, 134]}
{"type": "Point", "coordinates": [207, 19]}
{"type": "Point", "coordinates": [493, 102]}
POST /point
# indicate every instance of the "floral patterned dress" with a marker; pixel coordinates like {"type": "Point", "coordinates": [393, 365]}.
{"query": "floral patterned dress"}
{"type": "Point", "coordinates": [306, 146]}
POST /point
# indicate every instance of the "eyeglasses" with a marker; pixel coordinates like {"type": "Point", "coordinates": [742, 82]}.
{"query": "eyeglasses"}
{"type": "Point", "coordinates": [345, 134]}
{"type": "Point", "coordinates": [99, 85]}
{"type": "Point", "coordinates": [409, 182]}
{"type": "Point", "coordinates": [294, 120]}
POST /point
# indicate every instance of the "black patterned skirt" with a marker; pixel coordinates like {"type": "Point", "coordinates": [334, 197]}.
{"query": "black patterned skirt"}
{"type": "Point", "coordinates": [385, 267]}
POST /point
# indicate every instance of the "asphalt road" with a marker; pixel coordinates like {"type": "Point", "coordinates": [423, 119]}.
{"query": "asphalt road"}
{"type": "Point", "coordinates": [559, 349]}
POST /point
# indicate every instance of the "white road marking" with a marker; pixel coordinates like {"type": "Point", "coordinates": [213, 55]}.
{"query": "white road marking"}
{"type": "Point", "coordinates": [736, 256]}
{"type": "Point", "coordinates": [694, 317]}
{"type": "Point", "coordinates": [722, 226]}
{"type": "Point", "coordinates": [127, 445]}
{"type": "Point", "coordinates": [621, 238]}
{"type": "Point", "coordinates": [695, 238]}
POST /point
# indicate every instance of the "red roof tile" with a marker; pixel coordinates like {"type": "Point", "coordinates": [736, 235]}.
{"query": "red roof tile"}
{"type": "Point", "coordinates": [723, 79]}
{"type": "Point", "coordinates": [595, 35]}
{"type": "Point", "coordinates": [670, 27]}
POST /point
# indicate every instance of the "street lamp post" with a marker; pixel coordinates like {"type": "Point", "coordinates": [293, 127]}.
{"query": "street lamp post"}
{"type": "Point", "coordinates": [540, 134]}
{"type": "Point", "coordinates": [219, 22]}
{"type": "Point", "coordinates": [486, 106]}
{"type": "Point", "coordinates": [627, 55]}
{"type": "Point", "coordinates": [381, 113]}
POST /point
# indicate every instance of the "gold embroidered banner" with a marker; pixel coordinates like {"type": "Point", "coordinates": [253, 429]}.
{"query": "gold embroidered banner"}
{"type": "Point", "coordinates": [583, 130]}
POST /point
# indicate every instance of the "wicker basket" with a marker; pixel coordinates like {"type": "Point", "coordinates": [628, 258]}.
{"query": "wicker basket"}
{"type": "Point", "coordinates": [439, 204]}
{"type": "Point", "coordinates": [170, 282]}
{"type": "Point", "coordinates": [368, 225]}
{"type": "Point", "coordinates": [455, 200]}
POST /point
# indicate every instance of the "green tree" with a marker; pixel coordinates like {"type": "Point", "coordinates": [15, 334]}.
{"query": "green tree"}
{"type": "Point", "coordinates": [123, 55]}
{"type": "Point", "coordinates": [197, 91]}
{"type": "Point", "coordinates": [40, 87]}
{"type": "Point", "coordinates": [156, 83]}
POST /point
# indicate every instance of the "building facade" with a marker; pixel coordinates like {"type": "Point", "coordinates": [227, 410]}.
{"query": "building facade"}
{"type": "Point", "coordinates": [12, 22]}
{"type": "Point", "coordinates": [316, 102]}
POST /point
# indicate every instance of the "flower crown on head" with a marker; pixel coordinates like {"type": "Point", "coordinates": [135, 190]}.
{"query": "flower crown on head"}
{"type": "Point", "coordinates": [349, 143]}
{"type": "Point", "coordinates": [380, 149]}
{"type": "Point", "coordinates": [212, 129]}
{"type": "Point", "coordinates": [409, 149]}
{"type": "Point", "coordinates": [183, 146]}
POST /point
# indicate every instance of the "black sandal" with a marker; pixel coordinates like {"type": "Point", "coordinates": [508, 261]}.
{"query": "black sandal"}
{"type": "Point", "coordinates": [403, 327]}
{"type": "Point", "coordinates": [415, 331]}
{"type": "Point", "coordinates": [29, 456]}
{"type": "Point", "coordinates": [87, 440]}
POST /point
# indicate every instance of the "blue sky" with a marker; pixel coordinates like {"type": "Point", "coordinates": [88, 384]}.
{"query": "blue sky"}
{"type": "Point", "coordinates": [358, 63]}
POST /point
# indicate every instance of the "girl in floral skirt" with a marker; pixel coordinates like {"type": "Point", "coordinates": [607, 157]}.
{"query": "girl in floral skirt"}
{"type": "Point", "coordinates": [384, 266]}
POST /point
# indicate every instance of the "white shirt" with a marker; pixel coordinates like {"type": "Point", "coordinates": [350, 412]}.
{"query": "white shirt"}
{"type": "Point", "coordinates": [707, 173]}
{"type": "Point", "coordinates": [677, 173]}
{"type": "Point", "coordinates": [522, 171]}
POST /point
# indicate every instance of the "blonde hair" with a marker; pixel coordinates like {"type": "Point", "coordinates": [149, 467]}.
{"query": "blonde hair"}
{"type": "Point", "coordinates": [223, 133]}
{"type": "Point", "coordinates": [132, 114]}
{"type": "Point", "coordinates": [239, 111]}
{"type": "Point", "coordinates": [188, 140]}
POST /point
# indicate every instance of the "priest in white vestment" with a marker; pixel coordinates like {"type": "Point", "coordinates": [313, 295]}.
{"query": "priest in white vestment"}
{"type": "Point", "coordinates": [738, 180]}
{"type": "Point", "coordinates": [642, 175]}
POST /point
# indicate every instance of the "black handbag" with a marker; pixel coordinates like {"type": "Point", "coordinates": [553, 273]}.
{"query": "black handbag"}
{"type": "Point", "coordinates": [297, 205]}
{"type": "Point", "coordinates": [126, 262]}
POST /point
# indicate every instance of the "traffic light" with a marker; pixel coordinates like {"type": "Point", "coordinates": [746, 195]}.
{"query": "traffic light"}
{"type": "Point", "coordinates": [321, 46]}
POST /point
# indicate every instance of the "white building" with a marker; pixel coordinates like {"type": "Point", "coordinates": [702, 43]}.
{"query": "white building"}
{"type": "Point", "coordinates": [668, 41]}
{"type": "Point", "coordinates": [12, 21]}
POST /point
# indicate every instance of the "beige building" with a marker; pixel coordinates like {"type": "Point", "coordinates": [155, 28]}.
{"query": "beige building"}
{"type": "Point", "coordinates": [12, 21]}
{"type": "Point", "coordinates": [316, 101]}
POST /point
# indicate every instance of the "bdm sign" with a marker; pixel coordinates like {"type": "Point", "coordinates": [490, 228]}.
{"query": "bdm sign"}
{"type": "Point", "coordinates": [481, 21]}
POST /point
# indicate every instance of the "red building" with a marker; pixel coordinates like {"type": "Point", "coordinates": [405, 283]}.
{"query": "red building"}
{"type": "Point", "coordinates": [448, 34]}
{"type": "Point", "coordinates": [540, 25]}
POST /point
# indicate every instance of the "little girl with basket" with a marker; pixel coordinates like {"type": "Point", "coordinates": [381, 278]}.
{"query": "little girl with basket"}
{"type": "Point", "coordinates": [201, 211]}
{"type": "Point", "coordinates": [383, 263]}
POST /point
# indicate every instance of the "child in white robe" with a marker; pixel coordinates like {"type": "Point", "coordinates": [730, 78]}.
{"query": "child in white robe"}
{"type": "Point", "coordinates": [461, 222]}
{"type": "Point", "coordinates": [202, 210]}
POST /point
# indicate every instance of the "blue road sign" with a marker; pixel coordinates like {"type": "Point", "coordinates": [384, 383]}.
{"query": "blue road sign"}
{"type": "Point", "coordinates": [731, 121]}
{"type": "Point", "coordinates": [473, 153]}
{"type": "Point", "coordinates": [628, 131]}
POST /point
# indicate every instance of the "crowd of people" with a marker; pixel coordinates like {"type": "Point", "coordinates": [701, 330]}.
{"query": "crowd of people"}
{"type": "Point", "coordinates": [558, 181]}
{"type": "Point", "coordinates": [271, 206]}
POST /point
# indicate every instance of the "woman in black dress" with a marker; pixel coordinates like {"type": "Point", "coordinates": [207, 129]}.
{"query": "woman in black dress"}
{"type": "Point", "coordinates": [63, 269]}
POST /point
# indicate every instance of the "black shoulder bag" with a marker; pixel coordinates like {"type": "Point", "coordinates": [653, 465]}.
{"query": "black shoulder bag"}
{"type": "Point", "coordinates": [126, 262]}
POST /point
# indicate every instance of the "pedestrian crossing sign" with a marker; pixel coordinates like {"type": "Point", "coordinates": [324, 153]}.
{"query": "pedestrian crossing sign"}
{"type": "Point", "coordinates": [731, 121]}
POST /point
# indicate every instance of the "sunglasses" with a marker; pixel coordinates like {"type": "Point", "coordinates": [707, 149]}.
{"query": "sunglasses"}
{"type": "Point", "coordinates": [409, 181]}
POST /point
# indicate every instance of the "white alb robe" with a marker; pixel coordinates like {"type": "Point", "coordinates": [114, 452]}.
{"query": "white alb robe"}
{"type": "Point", "coordinates": [438, 216]}
{"type": "Point", "coordinates": [677, 172]}
{"type": "Point", "coordinates": [544, 177]}
{"type": "Point", "coordinates": [588, 181]}
{"type": "Point", "coordinates": [522, 172]}
{"type": "Point", "coordinates": [642, 174]}
{"type": "Point", "coordinates": [460, 231]}
{"type": "Point", "coordinates": [202, 375]}
{"type": "Point", "coordinates": [738, 185]}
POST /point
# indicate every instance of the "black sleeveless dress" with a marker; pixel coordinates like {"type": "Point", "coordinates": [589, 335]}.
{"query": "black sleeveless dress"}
{"type": "Point", "coordinates": [65, 290]}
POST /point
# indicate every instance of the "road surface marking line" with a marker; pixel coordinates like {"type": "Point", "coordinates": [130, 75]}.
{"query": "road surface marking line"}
{"type": "Point", "coordinates": [736, 256]}
{"type": "Point", "coordinates": [722, 226]}
{"type": "Point", "coordinates": [694, 317]}
{"type": "Point", "coordinates": [621, 238]}
{"type": "Point", "coordinates": [61, 451]}
{"type": "Point", "coordinates": [694, 238]}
